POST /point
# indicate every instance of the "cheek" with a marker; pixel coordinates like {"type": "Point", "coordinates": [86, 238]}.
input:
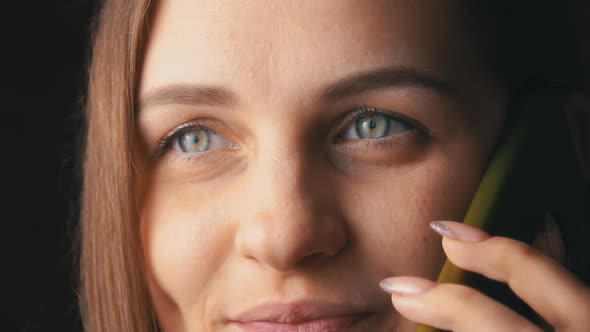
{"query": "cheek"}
{"type": "Point", "coordinates": [389, 218]}
{"type": "Point", "coordinates": [185, 241]}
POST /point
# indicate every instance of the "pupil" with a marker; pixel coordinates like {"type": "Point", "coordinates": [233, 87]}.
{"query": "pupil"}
{"type": "Point", "coordinates": [372, 124]}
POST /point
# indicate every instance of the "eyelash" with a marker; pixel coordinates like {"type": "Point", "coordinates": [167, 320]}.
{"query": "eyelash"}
{"type": "Point", "coordinates": [355, 114]}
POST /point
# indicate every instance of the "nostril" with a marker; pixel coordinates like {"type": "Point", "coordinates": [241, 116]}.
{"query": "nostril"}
{"type": "Point", "coordinates": [250, 258]}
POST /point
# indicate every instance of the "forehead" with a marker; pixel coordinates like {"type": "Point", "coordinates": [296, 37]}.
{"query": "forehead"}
{"type": "Point", "coordinates": [269, 47]}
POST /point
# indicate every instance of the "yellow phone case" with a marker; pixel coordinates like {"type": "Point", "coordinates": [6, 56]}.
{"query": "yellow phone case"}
{"type": "Point", "coordinates": [533, 170]}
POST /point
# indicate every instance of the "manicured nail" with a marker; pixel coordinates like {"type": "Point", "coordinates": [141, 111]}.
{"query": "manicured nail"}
{"type": "Point", "coordinates": [554, 239]}
{"type": "Point", "coordinates": [404, 286]}
{"type": "Point", "coordinates": [458, 231]}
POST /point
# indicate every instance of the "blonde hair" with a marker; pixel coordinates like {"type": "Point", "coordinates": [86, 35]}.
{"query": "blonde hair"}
{"type": "Point", "coordinates": [113, 288]}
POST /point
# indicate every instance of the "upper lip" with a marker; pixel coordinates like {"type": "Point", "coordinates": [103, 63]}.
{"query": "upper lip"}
{"type": "Point", "coordinates": [296, 312]}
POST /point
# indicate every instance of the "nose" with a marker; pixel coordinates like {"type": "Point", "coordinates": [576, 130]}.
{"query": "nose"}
{"type": "Point", "coordinates": [291, 220]}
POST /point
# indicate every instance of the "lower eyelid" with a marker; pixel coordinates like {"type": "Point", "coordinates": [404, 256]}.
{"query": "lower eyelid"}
{"type": "Point", "coordinates": [379, 143]}
{"type": "Point", "coordinates": [187, 158]}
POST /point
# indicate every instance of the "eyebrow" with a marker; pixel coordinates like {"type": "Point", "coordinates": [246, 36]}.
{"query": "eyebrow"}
{"type": "Point", "coordinates": [387, 77]}
{"type": "Point", "coordinates": [190, 94]}
{"type": "Point", "coordinates": [375, 79]}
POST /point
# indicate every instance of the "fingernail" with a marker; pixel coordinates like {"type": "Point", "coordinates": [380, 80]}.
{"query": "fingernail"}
{"type": "Point", "coordinates": [458, 231]}
{"type": "Point", "coordinates": [404, 286]}
{"type": "Point", "coordinates": [554, 239]}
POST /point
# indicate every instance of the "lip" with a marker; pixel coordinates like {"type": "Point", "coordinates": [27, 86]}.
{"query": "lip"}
{"type": "Point", "coordinates": [309, 316]}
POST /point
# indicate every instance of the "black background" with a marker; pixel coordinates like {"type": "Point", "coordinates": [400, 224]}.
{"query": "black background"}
{"type": "Point", "coordinates": [45, 48]}
{"type": "Point", "coordinates": [45, 45]}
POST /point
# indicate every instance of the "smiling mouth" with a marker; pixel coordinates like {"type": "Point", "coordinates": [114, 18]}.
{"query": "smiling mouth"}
{"type": "Point", "coordinates": [300, 316]}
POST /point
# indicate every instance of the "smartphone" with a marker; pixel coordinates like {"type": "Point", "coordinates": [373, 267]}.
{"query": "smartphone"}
{"type": "Point", "coordinates": [533, 170]}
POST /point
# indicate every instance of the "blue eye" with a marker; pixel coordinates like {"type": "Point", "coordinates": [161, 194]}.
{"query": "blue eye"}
{"type": "Point", "coordinates": [194, 140]}
{"type": "Point", "coordinates": [375, 125]}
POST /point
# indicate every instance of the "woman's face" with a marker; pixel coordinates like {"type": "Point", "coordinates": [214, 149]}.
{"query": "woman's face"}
{"type": "Point", "coordinates": [294, 153]}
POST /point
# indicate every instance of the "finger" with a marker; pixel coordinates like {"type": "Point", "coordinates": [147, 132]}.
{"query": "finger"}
{"type": "Point", "coordinates": [551, 290]}
{"type": "Point", "coordinates": [452, 307]}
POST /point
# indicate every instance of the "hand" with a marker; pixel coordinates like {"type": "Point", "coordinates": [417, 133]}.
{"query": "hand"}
{"type": "Point", "coordinates": [547, 287]}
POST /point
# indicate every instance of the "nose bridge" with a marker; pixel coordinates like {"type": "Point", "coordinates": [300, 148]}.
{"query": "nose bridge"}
{"type": "Point", "coordinates": [288, 173]}
{"type": "Point", "coordinates": [289, 219]}
{"type": "Point", "coordinates": [285, 166]}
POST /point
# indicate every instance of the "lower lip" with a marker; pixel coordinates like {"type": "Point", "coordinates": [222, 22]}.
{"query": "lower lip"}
{"type": "Point", "coordinates": [342, 323]}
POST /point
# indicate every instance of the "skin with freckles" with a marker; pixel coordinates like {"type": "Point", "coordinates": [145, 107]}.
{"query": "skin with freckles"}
{"type": "Point", "coordinates": [298, 150]}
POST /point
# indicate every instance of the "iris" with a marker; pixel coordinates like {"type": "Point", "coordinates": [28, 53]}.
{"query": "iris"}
{"type": "Point", "coordinates": [194, 140]}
